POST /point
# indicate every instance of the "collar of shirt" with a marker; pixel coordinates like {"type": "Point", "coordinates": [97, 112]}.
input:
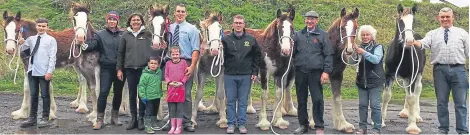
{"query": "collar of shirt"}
{"type": "Point", "coordinates": [450, 28]}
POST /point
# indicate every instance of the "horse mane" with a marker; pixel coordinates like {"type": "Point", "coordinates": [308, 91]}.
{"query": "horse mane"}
{"type": "Point", "coordinates": [78, 8]}
{"type": "Point", "coordinates": [271, 29]}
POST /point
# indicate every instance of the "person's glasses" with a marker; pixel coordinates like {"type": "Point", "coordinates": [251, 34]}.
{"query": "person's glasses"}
{"type": "Point", "coordinates": [180, 11]}
{"type": "Point", "coordinates": [238, 23]}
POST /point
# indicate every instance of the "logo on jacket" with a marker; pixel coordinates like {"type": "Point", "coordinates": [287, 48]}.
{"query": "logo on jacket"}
{"type": "Point", "coordinates": [247, 43]}
{"type": "Point", "coordinates": [141, 38]}
{"type": "Point", "coordinates": [315, 40]}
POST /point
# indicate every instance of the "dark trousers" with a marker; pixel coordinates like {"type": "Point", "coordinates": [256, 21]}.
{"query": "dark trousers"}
{"type": "Point", "coordinates": [133, 77]}
{"type": "Point", "coordinates": [151, 107]}
{"type": "Point", "coordinates": [303, 83]}
{"type": "Point", "coordinates": [108, 78]}
{"type": "Point", "coordinates": [187, 105]}
{"type": "Point", "coordinates": [447, 78]}
{"type": "Point", "coordinates": [175, 110]}
{"type": "Point", "coordinates": [36, 82]}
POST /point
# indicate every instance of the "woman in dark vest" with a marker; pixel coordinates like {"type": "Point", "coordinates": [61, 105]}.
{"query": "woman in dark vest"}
{"type": "Point", "coordinates": [370, 79]}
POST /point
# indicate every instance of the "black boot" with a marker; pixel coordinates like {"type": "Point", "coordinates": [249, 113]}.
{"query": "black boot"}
{"type": "Point", "coordinates": [44, 122]}
{"type": "Point", "coordinates": [133, 123]}
{"type": "Point", "coordinates": [301, 130]}
{"type": "Point", "coordinates": [140, 122]}
{"type": "Point", "coordinates": [32, 121]}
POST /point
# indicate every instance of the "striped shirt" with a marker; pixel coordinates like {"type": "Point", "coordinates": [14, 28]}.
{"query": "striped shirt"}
{"type": "Point", "coordinates": [188, 38]}
{"type": "Point", "coordinates": [45, 57]}
{"type": "Point", "coordinates": [454, 52]}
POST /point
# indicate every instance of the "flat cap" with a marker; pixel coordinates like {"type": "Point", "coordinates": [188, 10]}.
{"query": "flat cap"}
{"type": "Point", "coordinates": [311, 14]}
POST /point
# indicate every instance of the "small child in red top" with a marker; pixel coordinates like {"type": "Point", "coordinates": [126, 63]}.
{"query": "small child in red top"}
{"type": "Point", "coordinates": [175, 78]}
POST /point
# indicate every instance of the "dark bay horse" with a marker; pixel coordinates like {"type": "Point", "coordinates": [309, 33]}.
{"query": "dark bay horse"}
{"type": "Point", "coordinates": [276, 47]}
{"type": "Point", "coordinates": [342, 35]}
{"type": "Point", "coordinates": [86, 65]}
{"type": "Point", "coordinates": [407, 64]}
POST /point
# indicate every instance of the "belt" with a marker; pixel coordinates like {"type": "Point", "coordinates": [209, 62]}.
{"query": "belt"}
{"type": "Point", "coordinates": [450, 65]}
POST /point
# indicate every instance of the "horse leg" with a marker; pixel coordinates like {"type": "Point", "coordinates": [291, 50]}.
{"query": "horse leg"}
{"type": "Point", "coordinates": [289, 105]}
{"type": "Point", "coordinates": [124, 109]}
{"type": "Point", "coordinates": [263, 123]}
{"type": "Point", "coordinates": [418, 88]}
{"type": "Point", "coordinates": [220, 95]}
{"type": "Point", "coordinates": [213, 107]}
{"type": "Point", "coordinates": [201, 79]}
{"type": "Point", "coordinates": [412, 103]}
{"type": "Point", "coordinates": [23, 112]}
{"type": "Point", "coordinates": [250, 109]}
{"type": "Point", "coordinates": [82, 107]}
{"type": "Point", "coordinates": [310, 115]}
{"type": "Point", "coordinates": [93, 84]}
{"type": "Point", "coordinates": [160, 115]}
{"type": "Point", "coordinates": [75, 103]}
{"type": "Point", "coordinates": [202, 107]}
{"type": "Point", "coordinates": [278, 120]}
{"type": "Point", "coordinates": [387, 95]}
{"type": "Point", "coordinates": [339, 121]}
{"type": "Point", "coordinates": [53, 109]}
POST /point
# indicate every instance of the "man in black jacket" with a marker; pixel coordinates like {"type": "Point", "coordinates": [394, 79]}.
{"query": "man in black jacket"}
{"type": "Point", "coordinates": [242, 58]}
{"type": "Point", "coordinates": [107, 43]}
{"type": "Point", "coordinates": [313, 60]}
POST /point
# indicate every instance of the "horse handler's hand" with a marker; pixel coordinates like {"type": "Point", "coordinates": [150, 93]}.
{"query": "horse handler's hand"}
{"type": "Point", "coordinates": [48, 76]}
{"type": "Point", "coordinates": [21, 41]}
{"type": "Point", "coordinates": [324, 78]}
{"type": "Point", "coordinates": [119, 75]}
{"type": "Point", "coordinates": [253, 77]}
{"type": "Point", "coordinates": [189, 71]}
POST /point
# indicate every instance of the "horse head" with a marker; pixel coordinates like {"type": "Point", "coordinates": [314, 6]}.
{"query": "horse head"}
{"type": "Point", "coordinates": [347, 27]}
{"type": "Point", "coordinates": [160, 23]}
{"type": "Point", "coordinates": [12, 27]}
{"type": "Point", "coordinates": [405, 21]}
{"type": "Point", "coordinates": [285, 30]}
{"type": "Point", "coordinates": [80, 14]}
{"type": "Point", "coordinates": [212, 31]}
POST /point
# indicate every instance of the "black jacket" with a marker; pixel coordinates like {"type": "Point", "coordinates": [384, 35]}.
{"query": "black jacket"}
{"type": "Point", "coordinates": [312, 51]}
{"type": "Point", "coordinates": [242, 54]}
{"type": "Point", "coordinates": [133, 51]}
{"type": "Point", "coordinates": [107, 43]}
{"type": "Point", "coordinates": [370, 75]}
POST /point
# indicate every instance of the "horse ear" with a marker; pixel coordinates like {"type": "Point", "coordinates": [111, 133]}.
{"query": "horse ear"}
{"type": "Point", "coordinates": [18, 16]}
{"type": "Point", "coordinates": [207, 14]}
{"type": "Point", "coordinates": [356, 13]}
{"type": "Point", "coordinates": [292, 13]}
{"type": "Point", "coordinates": [400, 8]}
{"type": "Point", "coordinates": [220, 16]}
{"type": "Point", "coordinates": [279, 13]}
{"type": "Point", "coordinates": [5, 15]}
{"type": "Point", "coordinates": [343, 12]}
{"type": "Point", "coordinates": [414, 9]}
{"type": "Point", "coordinates": [88, 6]}
{"type": "Point", "coordinates": [166, 10]}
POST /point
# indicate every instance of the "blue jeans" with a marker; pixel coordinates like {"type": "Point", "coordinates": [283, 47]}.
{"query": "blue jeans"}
{"type": "Point", "coordinates": [447, 78]}
{"type": "Point", "coordinates": [372, 96]}
{"type": "Point", "coordinates": [237, 87]}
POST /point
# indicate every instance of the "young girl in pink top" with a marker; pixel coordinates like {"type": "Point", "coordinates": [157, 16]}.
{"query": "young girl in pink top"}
{"type": "Point", "coordinates": [175, 78]}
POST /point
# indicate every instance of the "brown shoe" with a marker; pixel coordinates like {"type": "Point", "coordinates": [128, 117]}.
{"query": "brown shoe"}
{"type": "Point", "coordinates": [115, 118]}
{"type": "Point", "coordinates": [99, 122]}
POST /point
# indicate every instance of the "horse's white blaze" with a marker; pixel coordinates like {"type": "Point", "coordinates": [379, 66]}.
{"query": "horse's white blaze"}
{"type": "Point", "coordinates": [157, 27]}
{"type": "Point", "coordinates": [408, 22]}
{"type": "Point", "coordinates": [214, 33]}
{"type": "Point", "coordinates": [10, 32]}
{"type": "Point", "coordinates": [80, 24]}
{"type": "Point", "coordinates": [349, 29]}
{"type": "Point", "coordinates": [285, 42]}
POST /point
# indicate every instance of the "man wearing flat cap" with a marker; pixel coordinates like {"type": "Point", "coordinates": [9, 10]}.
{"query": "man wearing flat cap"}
{"type": "Point", "coordinates": [313, 61]}
{"type": "Point", "coordinates": [107, 43]}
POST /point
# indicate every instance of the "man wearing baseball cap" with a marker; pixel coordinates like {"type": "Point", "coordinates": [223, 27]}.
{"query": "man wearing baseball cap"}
{"type": "Point", "coordinates": [313, 63]}
{"type": "Point", "coordinates": [107, 42]}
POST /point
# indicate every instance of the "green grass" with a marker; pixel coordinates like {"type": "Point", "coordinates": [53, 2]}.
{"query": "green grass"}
{"type": "Point", "coordinates": [258, 14]}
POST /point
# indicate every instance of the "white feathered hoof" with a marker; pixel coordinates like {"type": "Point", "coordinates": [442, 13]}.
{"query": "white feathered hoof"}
{"type": "Point", "coordinates": [346, 127]}
{"type": "Point", "coordinates": [82, 109]}
{"type": "Point", "coordinates": [263, 124]}
{"type": "Point", "coordinates": [92, 117]}
{"type": "Point", "coordinates": [123, 111]}
{"type": "Point", "coordinates": [222, 123]}
{"type": "Point", "coordinates": [201, 107]}
{"type": "Point", "coordinates": [283, 111]}
{"type": "Point", "coordinates": [20, 114]}
{"type": "Point", "coordinates": [311, 124]}
{"type": "Point", "coordinates": [403, 113]}
{"type": "Point", "coordinates": [52, 116]}
{"type": "Point", "coordinates": [413, 129]}
{"type": "Point", "coordinates": [419, 119]}
{"type": "Point", "coordinates": [194, 122]}
{"type": "Point", "coordinates": [250, 110]}
{"type": "Point", "coordinates": [159, 117]}
{"type": "Point", "coordinates": [292, 112]}
{"type": "Point", "coordinates": [74, 104]}
{"type": "Point", "coordinates": [383, 123]}
{"type": "Point", "coordinates": [281, 123]}
{"type": "Point", "coordinates": [212, 109]}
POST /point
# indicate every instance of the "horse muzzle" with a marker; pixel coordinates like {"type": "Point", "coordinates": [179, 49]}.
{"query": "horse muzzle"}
{"type": "Point", "coordinates": [214, 51]}
{"type": "Point", "coordinates": [10, 51]}
{"type": "Point", "coordinates": [285, 52]}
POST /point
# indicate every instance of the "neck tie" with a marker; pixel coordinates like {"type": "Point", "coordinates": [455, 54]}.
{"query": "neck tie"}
{"type": "Point", "coordinates": [446, 35]}
{"type": "Point", "coordinates": [35, 49]}
{"type": "Point", "coordinates": [176, 35]}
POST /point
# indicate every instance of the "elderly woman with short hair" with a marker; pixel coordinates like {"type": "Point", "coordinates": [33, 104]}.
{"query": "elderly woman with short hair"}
{"type": "Point", "coordinates": [370, 78]}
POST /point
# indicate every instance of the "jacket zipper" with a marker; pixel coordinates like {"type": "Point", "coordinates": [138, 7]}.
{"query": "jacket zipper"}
{"type": "Point", "coordinates": [365, 75]}
{"type": "Point", "coordinates": [236, 57]}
